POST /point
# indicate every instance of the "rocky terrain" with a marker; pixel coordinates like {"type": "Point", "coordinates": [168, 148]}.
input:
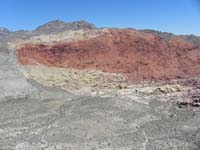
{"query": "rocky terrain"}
{"type": "Point", "coordinates": [72, 86]}
{"type": "Point", "coordinates": [141, 56]}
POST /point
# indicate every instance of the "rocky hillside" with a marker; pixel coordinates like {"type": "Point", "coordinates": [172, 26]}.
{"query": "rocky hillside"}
{"type": "Point", "coordinates": [69, 86]}
{"type": "Point", "coordinates": [138, 55]}
{"type": "Point", "coordinates": [166, 36]}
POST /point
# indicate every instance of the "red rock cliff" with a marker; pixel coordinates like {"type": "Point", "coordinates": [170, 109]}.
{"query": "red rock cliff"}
{"type": "Point", "coordinates": [141, 56]}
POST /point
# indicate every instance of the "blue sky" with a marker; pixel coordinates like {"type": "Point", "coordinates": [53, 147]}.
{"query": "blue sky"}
{"type": "Point", "coordinates": [177, 16]}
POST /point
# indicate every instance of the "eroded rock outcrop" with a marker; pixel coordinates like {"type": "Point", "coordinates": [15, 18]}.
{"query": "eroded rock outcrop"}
{"type": "Point", "coordinates": [141, 56]}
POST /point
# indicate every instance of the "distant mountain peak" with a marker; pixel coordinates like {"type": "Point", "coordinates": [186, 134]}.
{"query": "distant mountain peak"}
{"type": "Point", "coordinates": [54, 22]}
{"type": "Point", "coordinates": [60, 26]}
{"type": "Point", "coordinates": [5, 30]}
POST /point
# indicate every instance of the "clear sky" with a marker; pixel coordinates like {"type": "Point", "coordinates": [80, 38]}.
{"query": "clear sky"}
{"type": "Point", "coordinates": [177, 16]}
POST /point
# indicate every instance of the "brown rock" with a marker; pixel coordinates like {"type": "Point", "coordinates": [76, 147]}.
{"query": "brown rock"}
{"type": "Point", "coordinates": [141, 56]}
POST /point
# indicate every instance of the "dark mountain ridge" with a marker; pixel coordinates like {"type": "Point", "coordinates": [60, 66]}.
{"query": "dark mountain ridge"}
{"type": "Point", "coordinates": [60, 26]}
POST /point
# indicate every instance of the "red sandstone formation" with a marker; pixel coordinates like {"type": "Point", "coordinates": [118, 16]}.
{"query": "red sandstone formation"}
{"type": "Point", "coordinates": [141, 56]}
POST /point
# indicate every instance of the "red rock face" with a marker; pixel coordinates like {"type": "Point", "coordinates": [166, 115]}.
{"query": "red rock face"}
{"type": "Point", "coordinates": [141, 56]}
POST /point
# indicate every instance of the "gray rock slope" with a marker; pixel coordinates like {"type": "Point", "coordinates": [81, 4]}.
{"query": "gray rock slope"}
{"type": "Point", "coordinates": [165, 36]}
{"type": "Point", "coordinates": [33, 117]}
{"type": "Point", "coordinates": [12, 82]}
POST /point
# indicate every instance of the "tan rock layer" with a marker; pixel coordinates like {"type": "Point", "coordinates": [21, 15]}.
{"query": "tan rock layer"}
{"type": "Point", "coordinates": [141, 56]}
{"type": "Point", "coordinates": [98, 83]}
{"type": "Point", "coordinates": [73, 79]}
